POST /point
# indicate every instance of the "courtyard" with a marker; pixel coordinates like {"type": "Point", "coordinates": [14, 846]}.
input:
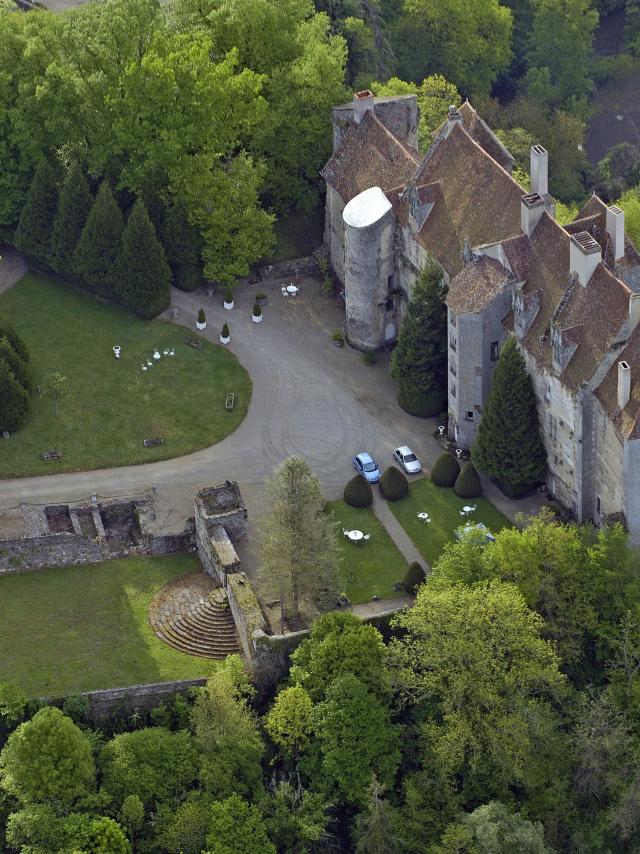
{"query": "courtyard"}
{"type": "Point", "coordinates": [82, 628]}
{"type": "Point", "coordinates": [109, 406]}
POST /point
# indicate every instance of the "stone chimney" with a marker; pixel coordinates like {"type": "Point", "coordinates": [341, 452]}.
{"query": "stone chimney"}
{"type": "Point", "coordinates": [584, 256]}
{"type": "Point", "coordinates": [362, 103]}
{"type": "Point", "coordinates": [539, 170]}
{"type": "Point", "coordinates": [531, 209]}
{"type": "Point", "coordinates": [624, 384]}
{"type": "Point", "coordinates": [615, 230]}
{"type": "Point", "coordinates": [454, 117]}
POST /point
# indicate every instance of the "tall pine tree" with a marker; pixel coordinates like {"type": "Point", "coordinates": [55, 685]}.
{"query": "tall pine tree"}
{"type": "Point", "coordinates": [183, 244]}
{"type": "Point", "coordinates": [508, 445]}
{"type": "Point", "coordinates": [20, 368]}
{"type": "Point", "coordinates": [33, 234]}
{"type": "Point", "coordinates": [74, 205]}
{"type": "Point", "coordinates": [144, 275]}
{"type": "Point", "coordinates": [96, 255]}
{"type": "Point", "coordinates": [7, 331]}
{"type": "Point", "coordinates": [420, 359]}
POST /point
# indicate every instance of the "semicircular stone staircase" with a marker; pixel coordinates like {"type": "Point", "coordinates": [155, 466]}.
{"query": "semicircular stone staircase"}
{"type": "Point", "coordinates": [192, 614]}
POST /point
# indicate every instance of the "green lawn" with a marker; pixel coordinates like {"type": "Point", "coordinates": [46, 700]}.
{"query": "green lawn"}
{"type": "Point", "coordinates": [370, 568]}
{"type": "Point", "coordinates": [82, 628]}
{"type": "Point", "coordinates": [112, 406]}
{"type": "Point", "coordinates": [297, 235]}
{"type": "Point", "coordinates": [444, 506]}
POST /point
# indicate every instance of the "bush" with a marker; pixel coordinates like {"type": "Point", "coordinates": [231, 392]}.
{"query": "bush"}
{"type": "Point", "coordinates": [77, 708]}
{"type": "Point", "coordinates": [201, 316]}
{"type": "Point", "coordinates": [370, 357]}
{"type": "Point", "coordinates": [228, 295]}
{"type": "Point", "coordinates": [257, 311]}
{"type": "Point", "coordinates": [261, 296]}
{"type": "Point", "coordinates": [393, 484]}
{"type": "Point", "coordinates": [225, 331]}
{"type": "Point", "coordinates": [413, 578]}
{"type": "Point", "coordinates": [337, 336]}
{"type": "Point", "coordinates": [358, 493]}
{"type": "Point", "coordinates": [445, 470]}
{"type": "Point", "coordinates": [467, 483]}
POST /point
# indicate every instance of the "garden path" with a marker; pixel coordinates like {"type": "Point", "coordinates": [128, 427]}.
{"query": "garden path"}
{"type": "Point", "coordinates": [396, 531]}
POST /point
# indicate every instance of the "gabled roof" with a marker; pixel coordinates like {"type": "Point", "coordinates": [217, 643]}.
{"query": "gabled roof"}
{"type": "Point", "coordinates": [479, 201]}
{"type": "Point", "coordinates": [485, 137]}
{"type": "Point", "coordinates": [369, 155]}
{"type": "Point", "coordinates": [627, 421]}
{"type": "Point", "coordinates": [476, 285]}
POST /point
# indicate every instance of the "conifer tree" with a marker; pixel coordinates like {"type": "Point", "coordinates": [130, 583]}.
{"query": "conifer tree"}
{"type": "Point", "coordinates": [33, 234]}
{"type": "Point", "coordinates": [508, 445]}
{"type": "Point", "coordinates": [74, 205]}
{"type": "Point", "coordinates": [14, 400]}
{"type": "Point", "coordinates": [183, 244]}
{"type": "Point", "coordinates": [19, 367]}
{"type": "Point", "coordinates": [144, 275]}
{"type": "Point", "coordinates": [420, 359]}
{"type": "Point", "coordinates": [7, 331]}
{"type": "Point", "coordinates": [96, 255]}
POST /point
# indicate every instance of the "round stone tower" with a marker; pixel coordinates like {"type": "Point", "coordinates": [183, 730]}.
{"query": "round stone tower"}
{"type": "Point", "coordinates": [368, 268]}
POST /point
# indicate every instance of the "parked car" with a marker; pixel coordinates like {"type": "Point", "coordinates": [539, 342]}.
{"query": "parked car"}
{"type": "Point", "coordinates": [365, 465]}
{"type": "Point", "coordinates": [407, 459]}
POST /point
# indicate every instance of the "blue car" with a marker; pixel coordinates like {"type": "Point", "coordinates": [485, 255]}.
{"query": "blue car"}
{"type": "Point", "coordinates": [365, 465]}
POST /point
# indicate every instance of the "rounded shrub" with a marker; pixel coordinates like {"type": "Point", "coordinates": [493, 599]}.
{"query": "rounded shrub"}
{"type": "Point", "coordinates": [358, 493]}
{"type": "Point", "coordinates": [467, 483]}
{"type": "Point", "coordinates": [445, 470]}
{"type": "Point", "coordinates": [393, 484]}
{"type": "Point", "coordinates": [201, 316]}
{"type": "Point", "coordinates": [413, 578]}
{"type": "Point", "coordinates": [257, 311]}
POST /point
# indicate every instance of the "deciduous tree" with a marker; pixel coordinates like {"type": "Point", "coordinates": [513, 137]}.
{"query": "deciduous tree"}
{"type": "Point", "coordinates": [237, 827]}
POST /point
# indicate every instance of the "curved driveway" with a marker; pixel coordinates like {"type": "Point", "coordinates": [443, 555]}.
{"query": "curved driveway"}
{"type": "Point", "coordinates": [309, 398]}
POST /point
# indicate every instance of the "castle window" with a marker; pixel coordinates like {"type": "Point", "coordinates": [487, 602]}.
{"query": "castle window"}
{"type": "Point", "coordinates": [388, 304]}
{"type": "Point", "coordinates": [452, 368]}
{"type": "Point", "coordinates": [469, 415]}
{"type": "Point", "coordinates": [452, 342]}
{"type": "Point", "coordinates": [598, 508]}
{"type": "Point", "coordinates": [547, 392]}
{"type": "Point", "coordinates": [390, 283]}
{"type": "Point", "coordinates": [452, 318]}
{"type": "Point", "coordinates": [495, 351]}
{"type": "Point", "coordinates": [453, 389]}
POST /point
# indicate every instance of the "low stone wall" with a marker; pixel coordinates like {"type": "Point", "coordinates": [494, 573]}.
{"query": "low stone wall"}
{"type": "Point", "coordinates": [245, 609]}
{"type": "Point", "coordinates": [307, 266]}
{"type": "Point", "coordinates": [63, 549]}
{"type": "Point", "coordinates": [144, 697]}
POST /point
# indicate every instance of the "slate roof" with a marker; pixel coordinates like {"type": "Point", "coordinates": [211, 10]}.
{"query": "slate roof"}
{"type": "Point", "coordinates": [476, 285]}
{"type": "Point", "coordinates": [369, 156]}
{"type": "Point", "coordinates": [479, 200]}
{"type": "Point", "coordinates": [627, 421]}
{"type": "Point", "coordinates": [485, 137]}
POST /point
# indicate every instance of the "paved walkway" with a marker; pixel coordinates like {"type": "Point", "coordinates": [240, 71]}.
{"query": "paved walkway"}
{"type": "Point", "coordinates": [396, 531]}
{"type": "Point", "coordinates": [384, 606]}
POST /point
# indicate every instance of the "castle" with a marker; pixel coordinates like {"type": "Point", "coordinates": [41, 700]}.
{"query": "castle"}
{"type": "Point", "coordinates": [570, 294]}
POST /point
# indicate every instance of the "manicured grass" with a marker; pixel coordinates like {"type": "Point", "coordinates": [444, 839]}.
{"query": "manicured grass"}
{"type": "Point", "coordinates": [371, 568]}
{"type": "Point", "coordinates": [82, 628]}
{"type": "Point", "coordinates": [444, 506]}
{"type": "Point", "coordinates": [111, 405]}
{"type": "Point", "coordinates": [297, 235]}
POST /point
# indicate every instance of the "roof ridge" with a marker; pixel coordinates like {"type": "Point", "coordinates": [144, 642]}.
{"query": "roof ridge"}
{"type": "Point", "coordinates": [407, 149]}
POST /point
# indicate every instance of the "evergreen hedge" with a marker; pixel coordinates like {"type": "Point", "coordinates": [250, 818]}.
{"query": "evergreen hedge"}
{"type": "Point", "coordinates": [358, 493]}
{"type": "Point", "coordinates": [413, 578]}
{"type": "Point", "coordinates": [393, 484]}
{"type": "Point", "coordinates": [467, 483]}
{"type": "Point", "coordinates": [14, 400]}
{"type": "Point", "coordinates": [18, 366]}
{"type": "Point", "coordinates": [445, 470]}
{"type": "Point", "coordinates": [7, 331]}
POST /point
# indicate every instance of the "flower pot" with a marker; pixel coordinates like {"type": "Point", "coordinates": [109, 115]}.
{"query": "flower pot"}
{"type": "Point", "coordinates": [256, 318]}
{"type": "Point", "coordinates": [201, 326]}
{"type": "Point", "coordinates": [228, 305]}
{"type": "Point", "coordinates": [224, 340]}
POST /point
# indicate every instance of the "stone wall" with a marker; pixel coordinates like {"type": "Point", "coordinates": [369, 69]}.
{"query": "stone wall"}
{"type": "Point", "coordinates": [307, 266]}
{"type": "Point", "coordinates": [246, 610]}
{"type": "Point", "coordinates": [143, 697]}
{"type": "Point", "coordinates": [25, 553]}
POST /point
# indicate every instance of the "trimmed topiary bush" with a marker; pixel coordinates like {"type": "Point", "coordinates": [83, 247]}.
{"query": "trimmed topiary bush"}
{"type": "Point", "coordinates": [358, 493]}
{"type": "Point", "coordinates": [257, 311]}
{"type": "Point", "coordinates": [201, 316]}
{"type": "Point", "coordinates": [393, 484]}
{"type": "Point", "coordinates": [225, 331]}
{"type": "Point", "coordinates": [445, 470]}
{"type": "Point", "coordinates": [467, 483]}
{"type": "Point", "coordinates": [413, 578]}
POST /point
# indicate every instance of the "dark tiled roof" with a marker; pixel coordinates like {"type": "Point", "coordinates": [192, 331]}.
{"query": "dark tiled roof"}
{"type": "Point", "coordinates": [480, 200]}
{"type": "Point", "coordinates": [369, 156]}
{"type": "Point", "coordinates": [485, 137]}
{"type": "Point", "coordinates": [476, 285]}
{"type": "Point", "coordinates": [600, 309]}
{"type": "Point", "coordinates": [627, 421]}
